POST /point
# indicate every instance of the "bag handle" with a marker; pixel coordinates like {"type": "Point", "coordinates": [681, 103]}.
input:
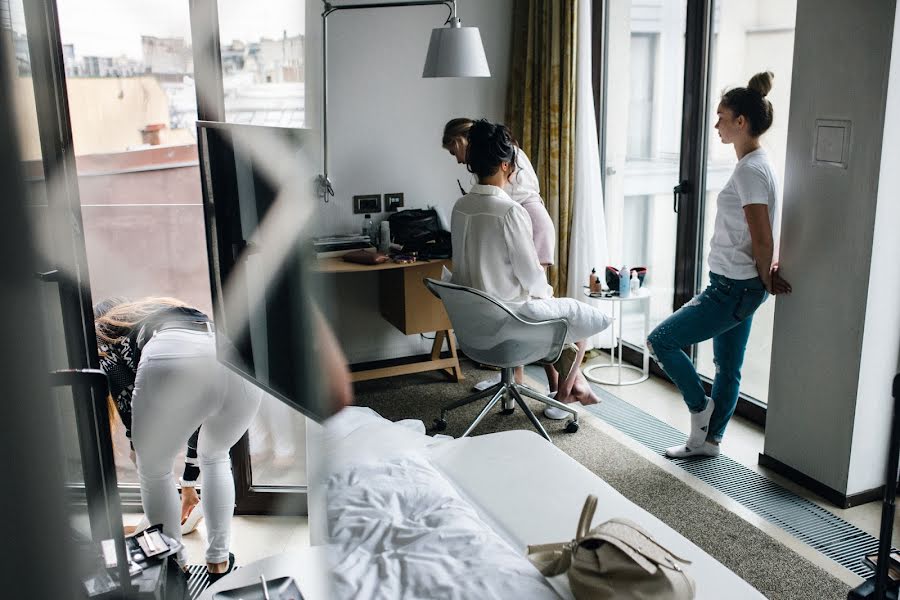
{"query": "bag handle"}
{"type": "Point", "coordinates": [587, 515]}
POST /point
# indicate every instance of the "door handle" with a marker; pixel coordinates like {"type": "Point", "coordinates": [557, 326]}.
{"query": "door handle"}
{"type": "Point", "coordinates": [684, 187]}
{"type": "Point", "coordinates": [49, 276]}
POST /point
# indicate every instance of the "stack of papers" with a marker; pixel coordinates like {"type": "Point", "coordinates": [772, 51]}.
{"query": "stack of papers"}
{"type": "Point", "coordinates": [345, 242]}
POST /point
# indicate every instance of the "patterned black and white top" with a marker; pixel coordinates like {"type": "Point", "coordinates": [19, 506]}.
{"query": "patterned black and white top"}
{"type": "Point", "coordinates": [120, 361]}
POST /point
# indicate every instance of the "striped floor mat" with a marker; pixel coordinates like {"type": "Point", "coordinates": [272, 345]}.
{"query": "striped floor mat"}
{"type": "Point", "coordinates": [197, 580]}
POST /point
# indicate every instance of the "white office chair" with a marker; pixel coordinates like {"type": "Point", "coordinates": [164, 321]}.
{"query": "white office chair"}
{"type": "Point", "coordinates": [491, 334]}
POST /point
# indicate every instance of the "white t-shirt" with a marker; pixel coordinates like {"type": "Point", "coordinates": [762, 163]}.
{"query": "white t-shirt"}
{"type": "Point", "coordinates": [752, 182]}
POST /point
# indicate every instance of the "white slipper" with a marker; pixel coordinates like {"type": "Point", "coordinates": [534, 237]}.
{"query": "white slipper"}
{"type": "Point", "coordinates": [557, 414]}
{"type": "Point", "coordinates": [193, 518]}
{"type": "Point", "coordinates": [706, 449]}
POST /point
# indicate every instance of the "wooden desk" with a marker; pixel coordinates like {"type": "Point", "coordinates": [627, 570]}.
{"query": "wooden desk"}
{"type": "Point", "coordinates": [406, 303]}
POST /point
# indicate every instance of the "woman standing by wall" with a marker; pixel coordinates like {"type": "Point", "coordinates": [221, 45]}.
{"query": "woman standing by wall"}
{"type": "Point", "coordinates": [742, 273]}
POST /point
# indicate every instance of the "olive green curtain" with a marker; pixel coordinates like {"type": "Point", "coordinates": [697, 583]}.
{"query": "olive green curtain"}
{"type": "Point", "coordinates": [541, 108]}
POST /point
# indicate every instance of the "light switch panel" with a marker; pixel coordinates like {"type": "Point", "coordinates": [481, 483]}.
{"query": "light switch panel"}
{"type": "Point", "coordinates": [393, 201]}
{"type": "Point", "coordinates": [832, 143]}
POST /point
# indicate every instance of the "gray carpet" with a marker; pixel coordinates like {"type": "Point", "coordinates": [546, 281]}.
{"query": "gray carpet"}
{"type": "Point", "coordinates": [768, 565]}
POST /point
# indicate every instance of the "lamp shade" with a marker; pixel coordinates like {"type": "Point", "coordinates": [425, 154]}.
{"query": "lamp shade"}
{"type": "Point", "coordinates": [456, 52]}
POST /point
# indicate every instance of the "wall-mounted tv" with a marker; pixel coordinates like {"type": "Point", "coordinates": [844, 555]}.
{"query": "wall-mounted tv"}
{"type": "Point", "coordinates": [258, 202]}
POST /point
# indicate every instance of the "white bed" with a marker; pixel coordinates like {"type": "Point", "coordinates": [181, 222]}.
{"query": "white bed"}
{"type": "Point", "coordinates": [412, 516]}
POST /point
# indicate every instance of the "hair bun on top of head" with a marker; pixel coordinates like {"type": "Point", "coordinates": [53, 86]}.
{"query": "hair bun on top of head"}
{"type": "Point", "coordinates": [482, 129]}
{"type": "Point", "coordinates": [490, 144]}
{"type": "Point", "coordinates": [761, 83]}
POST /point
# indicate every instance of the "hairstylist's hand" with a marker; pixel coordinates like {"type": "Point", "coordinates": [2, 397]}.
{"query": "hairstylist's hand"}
{"type": "Point", "coordinates": [778, 285]}
{"type": "Point", "coordinates": [189, 499]}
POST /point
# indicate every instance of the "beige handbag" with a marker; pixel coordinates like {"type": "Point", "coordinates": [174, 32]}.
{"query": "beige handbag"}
{"type": "Point", "coordinates": [616, 559]}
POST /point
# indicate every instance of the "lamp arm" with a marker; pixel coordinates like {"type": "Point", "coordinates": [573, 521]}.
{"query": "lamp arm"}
{"type": "Point", "coordinates": [324, 183]}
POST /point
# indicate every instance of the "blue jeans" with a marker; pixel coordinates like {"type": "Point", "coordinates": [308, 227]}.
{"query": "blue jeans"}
{"type": "Point", "coordinates": [723, 312]}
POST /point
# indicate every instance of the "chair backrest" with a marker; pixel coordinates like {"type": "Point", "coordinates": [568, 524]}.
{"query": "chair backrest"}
{"type": "Point", "coordinates": [492, 334]}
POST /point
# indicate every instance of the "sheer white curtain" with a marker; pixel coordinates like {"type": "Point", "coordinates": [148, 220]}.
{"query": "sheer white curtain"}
{"type": "Point", "coordinates": [587, 246]}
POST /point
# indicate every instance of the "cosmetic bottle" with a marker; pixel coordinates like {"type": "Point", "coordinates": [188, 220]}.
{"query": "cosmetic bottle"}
{"type": "Point", "coordinates": [624, 283]}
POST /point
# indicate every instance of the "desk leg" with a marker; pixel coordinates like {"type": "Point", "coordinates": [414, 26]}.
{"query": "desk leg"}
{"type": "Point", "coordinates": [454, 372]}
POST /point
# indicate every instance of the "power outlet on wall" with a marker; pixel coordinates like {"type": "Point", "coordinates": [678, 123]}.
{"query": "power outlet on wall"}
{"type": "Point", "coordinates": [368, 203]}
{"type": "Point", "coordinates": [393, 201]}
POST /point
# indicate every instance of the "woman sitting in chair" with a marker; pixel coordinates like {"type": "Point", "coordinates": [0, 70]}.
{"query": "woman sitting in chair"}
{"type": "Point", "coordinates": [493, 251]}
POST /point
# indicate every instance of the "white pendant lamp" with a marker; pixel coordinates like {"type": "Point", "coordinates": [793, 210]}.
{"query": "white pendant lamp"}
{"type": "Point", "coordinates": [456, 51]}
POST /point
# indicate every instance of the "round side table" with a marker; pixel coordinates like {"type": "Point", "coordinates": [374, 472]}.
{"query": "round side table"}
{"type": "Point", "coordinates": [616, 363]}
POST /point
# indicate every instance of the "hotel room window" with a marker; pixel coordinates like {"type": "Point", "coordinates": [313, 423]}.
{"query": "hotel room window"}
{"type": "Point", "coordinates": [129, 78]}
{"type": "Point", "coordinates": [263, 78]}
{"type": "Point", "coordinates": [642, 120]}
{"type": "Point", "coordinates": [132, 102]}
{"type": "Point", "coordinates": [749, 37]}
{"type": "Point", "coordinates": [263, 61]}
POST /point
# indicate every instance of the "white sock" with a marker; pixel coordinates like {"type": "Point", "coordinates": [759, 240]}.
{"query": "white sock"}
{"type": "Point", "coordinates": [700, 425]}
{"type": "Point", "coordinates": [706, 449]}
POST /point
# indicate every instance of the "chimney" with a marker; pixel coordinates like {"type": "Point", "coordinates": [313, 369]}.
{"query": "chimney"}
{"type": "Point", "coordinates": [150, 133]}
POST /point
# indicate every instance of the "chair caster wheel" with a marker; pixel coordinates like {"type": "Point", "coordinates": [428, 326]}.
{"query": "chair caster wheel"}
{"type": "Point", "coordinates": [571, 426]}
{"type": "Point", "coordinates": [507, 411]}
{"type": "Point", "coordinates": [439, 425]}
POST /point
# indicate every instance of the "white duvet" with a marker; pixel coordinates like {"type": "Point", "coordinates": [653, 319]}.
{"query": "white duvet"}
{"type": "Point", "coordinates": [400, 530]}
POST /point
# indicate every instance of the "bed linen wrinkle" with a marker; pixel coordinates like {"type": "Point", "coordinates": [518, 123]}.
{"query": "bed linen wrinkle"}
{"type": "Point", "coordinates": [418, 540]}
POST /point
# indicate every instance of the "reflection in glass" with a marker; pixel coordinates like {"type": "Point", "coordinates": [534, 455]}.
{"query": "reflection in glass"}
{"type": "Point", "coordinates": [278, 445]}
{"type": "Point", "coordinates": [750, 37]}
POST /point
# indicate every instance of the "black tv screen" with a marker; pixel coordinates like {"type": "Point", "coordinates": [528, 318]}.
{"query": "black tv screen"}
{"type": "Point", "coordinates": [258, 202]}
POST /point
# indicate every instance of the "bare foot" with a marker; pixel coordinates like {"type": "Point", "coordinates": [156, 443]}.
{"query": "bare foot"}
{"type": "Point", "coordinates": [584, 394]}
{"type": "Point", "coordinates": [581, 392]}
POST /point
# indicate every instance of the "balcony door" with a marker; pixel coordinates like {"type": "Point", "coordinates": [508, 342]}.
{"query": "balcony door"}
{"type": "Point", "coordinates": [666, 66]}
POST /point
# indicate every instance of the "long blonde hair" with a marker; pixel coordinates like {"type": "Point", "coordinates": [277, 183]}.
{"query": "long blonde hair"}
{"type": "Point", "coordinates": [116, 317]}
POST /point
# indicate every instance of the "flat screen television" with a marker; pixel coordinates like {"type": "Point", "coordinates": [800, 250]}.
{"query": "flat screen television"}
{"type": "Point", "coordinates": [258, 202]}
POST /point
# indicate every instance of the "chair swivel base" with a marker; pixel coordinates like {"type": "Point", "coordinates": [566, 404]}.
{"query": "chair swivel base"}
{"type": "Point", "coordinates": [510, 393]}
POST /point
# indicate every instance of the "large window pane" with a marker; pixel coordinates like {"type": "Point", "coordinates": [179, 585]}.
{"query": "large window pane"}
{"type": "Point", "coordinates": [132, 100]}
{"type": "Point", "coordinates": [752, 36]}
{"type": "Point", "coordinates": [129, 74]}
{"type": "Point", "coordinates": [263, 75]}
{"type": "Point", "coordinates": [263, 61]}
{"type": "Point", "coordinates": [643, 138]}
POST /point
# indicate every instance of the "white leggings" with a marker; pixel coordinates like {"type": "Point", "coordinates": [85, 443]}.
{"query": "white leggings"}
{"type": "Point", "coordinates": [179, 386]}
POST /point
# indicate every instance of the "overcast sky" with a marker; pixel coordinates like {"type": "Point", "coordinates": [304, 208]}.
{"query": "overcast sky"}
{"type": "Point", "coordinates": [115, 27]}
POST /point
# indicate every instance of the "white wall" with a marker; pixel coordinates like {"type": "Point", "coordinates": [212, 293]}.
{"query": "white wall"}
{"type": "Point", "coordinates": [384, 133]}
{"type": "Point", "coordinates": [817, 408]}
{"type": "Point", "coordinates": [881, 338]}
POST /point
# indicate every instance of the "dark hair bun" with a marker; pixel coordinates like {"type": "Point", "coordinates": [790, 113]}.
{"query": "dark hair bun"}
{"type": "Point", "coordinates": [762, 83]}
{"type": "Point", "coordinates": [489, 145]}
